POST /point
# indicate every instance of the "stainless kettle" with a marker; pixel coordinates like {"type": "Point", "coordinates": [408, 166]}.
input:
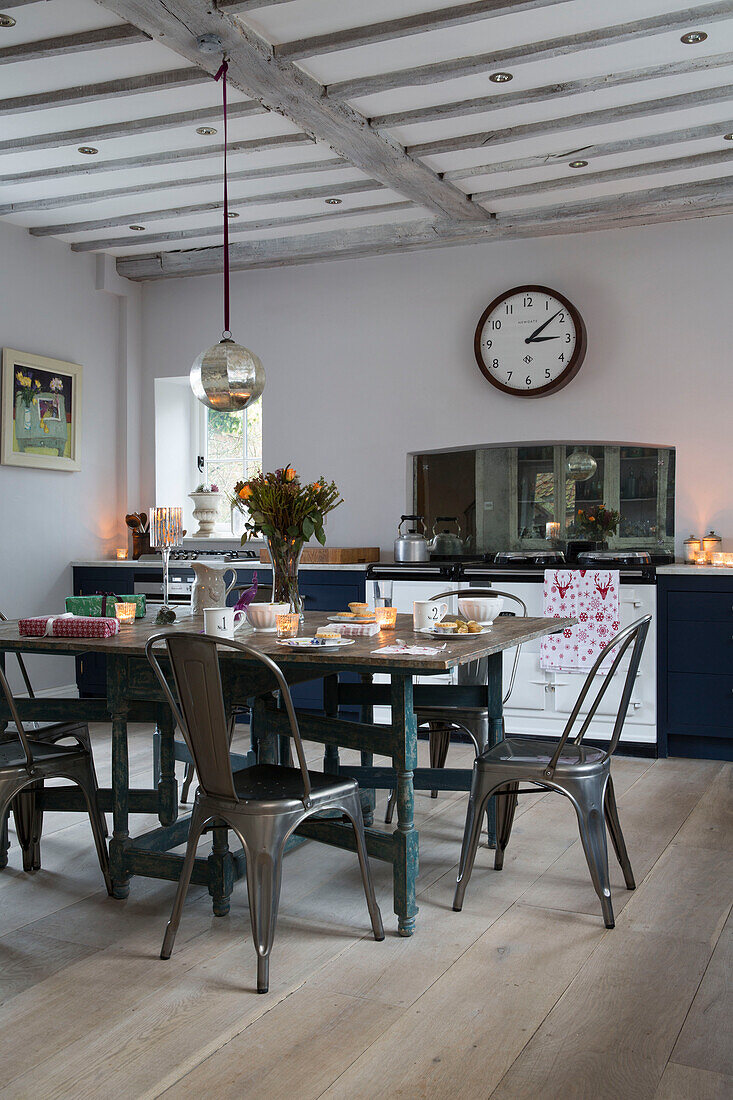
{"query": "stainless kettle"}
{"type": "Point", "coordinates": [411, 545]}
{"type": "Point", "coordinates": [445, 543]}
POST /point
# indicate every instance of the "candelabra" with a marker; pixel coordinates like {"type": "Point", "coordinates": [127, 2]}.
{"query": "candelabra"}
{"type": "Point", "coordinates": [166, 531]}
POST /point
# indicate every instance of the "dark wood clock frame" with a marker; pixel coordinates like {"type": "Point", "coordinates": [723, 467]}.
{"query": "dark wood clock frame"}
{"type": "Point", "coordinates": [576, 359]}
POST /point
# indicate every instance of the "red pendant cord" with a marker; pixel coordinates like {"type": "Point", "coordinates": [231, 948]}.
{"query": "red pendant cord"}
{"type": "Point", "coordinates": [222, 75]}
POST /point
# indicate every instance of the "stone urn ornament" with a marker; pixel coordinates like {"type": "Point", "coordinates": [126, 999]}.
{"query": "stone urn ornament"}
{"type": "Point", "coordinates": [205, 509]}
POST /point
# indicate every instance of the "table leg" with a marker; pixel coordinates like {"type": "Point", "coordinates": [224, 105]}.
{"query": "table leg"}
{"type": "Point", "coordinates": [120, 805]}
{"type": "Point", "coordinates": [404, 759]}
{"type": "Point", "coordinates": [368, 796]}
{"type": "Point", "coordinates": [331, 707]}
{"type": "Point", "coordinates": [221, 872]}
{"type": "Point", "coordinates": [495, 708]}
{"type": "Point", "coordinates": [4, 840]}
{"type": "Point", "coordinates": [167, 782]}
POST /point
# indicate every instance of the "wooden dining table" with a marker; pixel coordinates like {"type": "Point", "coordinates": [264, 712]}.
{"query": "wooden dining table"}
{"type": "Point", "coordinates": [133, 694]}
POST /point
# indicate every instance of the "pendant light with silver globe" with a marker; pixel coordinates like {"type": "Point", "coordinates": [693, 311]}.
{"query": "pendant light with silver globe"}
{"type": "Point", "coordinates": [226, 377]}
{"type": "Point", "coordinates": [581, 466]}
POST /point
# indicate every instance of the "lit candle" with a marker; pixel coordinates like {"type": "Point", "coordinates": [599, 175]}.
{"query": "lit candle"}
{"type": "Point", "coordinates": [386, 617]}
{"type": "Point", "coordinates": [125, 612]}
{"type": "Point", "coordinates": [287, 624]}
{"type": "Point", "coordinates": [552, 530]}
{"type": "Point", "coordinates": [121, 555]}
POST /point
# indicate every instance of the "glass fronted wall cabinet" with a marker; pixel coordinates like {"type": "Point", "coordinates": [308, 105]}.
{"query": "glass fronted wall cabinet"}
{"type": "Point", "coordinates": [506, 497]}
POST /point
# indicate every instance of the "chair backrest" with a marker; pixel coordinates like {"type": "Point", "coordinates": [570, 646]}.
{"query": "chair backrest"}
{"type": "Point", "coordinates": [199, 709]}
{"type": "Point", "coordinates": [19, 731]}
{"type": "Point", "coordinates": [506, 596]}
{"type": "Point", "coordinates": [631, 635]}
{"type": "Point", "coordinates": [21, 664]}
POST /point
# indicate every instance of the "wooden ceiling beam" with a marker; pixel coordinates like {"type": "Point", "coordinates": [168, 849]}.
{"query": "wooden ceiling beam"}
{"type": "Point", "coordinates": [601, 149]}
{"type": "Point", "coordinates": [137, 216]}
{"type": "Point", "coordinates": [168, 156]}
{"type": "Point", "coordinates": [127, 127]}
{"type": "Point", "coordinates": [419, 23]}
{"type": "Point", "coordinates": [527, 53]}
{"type": "Point", "coordinates": [237, 7]}
{"type": "Point", "coordinates": [99, 245]}
{"type": "Point", "coordinates": [58, 202]}
{"type": "Point", "coordinates": [611, 175]}
{"type": "Point", "coordinates": [283, 87]}
{"type": "Point", "coordinates": [662, 205]}
{"type": "Point", "coordinates": [106, 89]}
{"type": "Point", "coordinates": [529, 96]}
{"type": "Point", "coordinates": [624, 112]}
{"type": "Point", "coordinates": [63, 45]}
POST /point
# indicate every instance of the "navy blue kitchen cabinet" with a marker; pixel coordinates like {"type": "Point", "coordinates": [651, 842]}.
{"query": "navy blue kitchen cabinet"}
{"type": "Point", "coordinates": [322, 590]}
{"type": "Point", "coordinates": [695, 665]}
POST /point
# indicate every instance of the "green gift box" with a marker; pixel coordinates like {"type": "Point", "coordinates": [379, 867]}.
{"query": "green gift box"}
{"type": "Point", "coordinates": [93, 607]}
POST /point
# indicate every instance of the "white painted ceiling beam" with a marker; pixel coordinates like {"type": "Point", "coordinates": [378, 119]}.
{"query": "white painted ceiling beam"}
{"type": "Point", "coordinates": [58, 202]}
{"type": "Point", "coordinates": [418, 23]}
{"type": "Point", "coordinates": [610, 175]}
{"type": "Point", "coordinates": [665, 204]}
{"type": "Point", "coordinates": [168, 156]}
{"type": "Point", "coordinates": [63, 45]}
{"type": "Point", "coordinates": [127, 128]}
{"type": "Point", "coordinates": [350, 188]}
{"type": "Point", "coordinates": [599, 149]}
{"type": "Point", "coordinates": [97, 244]}
{"type": "Point", "coordinates": [528, 96]}
{"type": "Point", "coordinates": [527, 53]}
{"type": "Point", "coordinates": [285, 88]}
{"type": "Point", "coordinates": [622, 113]}
{"type": "Point", "coordinates": [107, 89]}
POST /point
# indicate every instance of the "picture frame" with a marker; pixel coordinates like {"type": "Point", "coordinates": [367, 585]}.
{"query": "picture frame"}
{"type": "Point", "coordinates": [40, 416]}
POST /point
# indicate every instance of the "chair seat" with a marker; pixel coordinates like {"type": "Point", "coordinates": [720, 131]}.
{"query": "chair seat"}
{"type": "Point", "coordinates": [13, 756]}
{"type": "Point", "coordinates": [533, 752]}
{"type": "Point", "coordinates": [272, 783]}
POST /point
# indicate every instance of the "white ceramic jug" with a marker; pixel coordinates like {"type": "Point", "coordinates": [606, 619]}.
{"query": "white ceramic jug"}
{"type": "Point", "coordinates": [209, 587]}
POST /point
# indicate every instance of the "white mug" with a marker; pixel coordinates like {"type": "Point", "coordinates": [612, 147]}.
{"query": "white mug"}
{"type": "Point", "coordinates": [426, 613]}
{"type": "Point", "coordinates": [221, 621]}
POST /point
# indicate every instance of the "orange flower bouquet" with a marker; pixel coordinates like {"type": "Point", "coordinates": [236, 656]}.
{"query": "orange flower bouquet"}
{"type": "Point", "coordinates": [288, 513]}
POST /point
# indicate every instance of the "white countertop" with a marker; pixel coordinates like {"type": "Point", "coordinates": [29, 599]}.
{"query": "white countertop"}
{"type": "Point", "coordinates": [695, 570]}
{"type": "Point", "coordinates": [243, 563]}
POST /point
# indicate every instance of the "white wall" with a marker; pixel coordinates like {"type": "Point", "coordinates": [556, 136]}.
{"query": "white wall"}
{"type": "Point", "coordinates": [68, 307]}
{"type": "Point", "coordinates": [369, 359]}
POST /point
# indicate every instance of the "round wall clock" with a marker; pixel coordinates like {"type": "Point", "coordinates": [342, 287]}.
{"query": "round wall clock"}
{"type": "Point", "coordinates": [530, 341]}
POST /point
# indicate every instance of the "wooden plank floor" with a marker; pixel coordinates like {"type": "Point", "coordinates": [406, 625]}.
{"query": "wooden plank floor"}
{"type": "Point", "coordinates": [522, 995]}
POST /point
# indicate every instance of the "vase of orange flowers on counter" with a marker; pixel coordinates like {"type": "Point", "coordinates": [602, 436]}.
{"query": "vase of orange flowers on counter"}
{"type": "Point", "coordinates": [597, 524]}
{"type": "Point", "coordinates": [288, 513]}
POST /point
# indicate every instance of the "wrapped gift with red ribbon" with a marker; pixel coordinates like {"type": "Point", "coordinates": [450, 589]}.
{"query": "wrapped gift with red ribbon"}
{"type": "Point", "coordinates": [68, 626]}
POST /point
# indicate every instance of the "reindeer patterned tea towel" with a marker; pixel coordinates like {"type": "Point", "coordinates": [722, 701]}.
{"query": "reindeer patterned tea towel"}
{"type": "Point", "coordinates": [592, 597]}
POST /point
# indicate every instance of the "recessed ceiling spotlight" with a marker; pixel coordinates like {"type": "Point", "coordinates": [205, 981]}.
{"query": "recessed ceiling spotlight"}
{"type": "Point", "coordinates": [501, 78]}
{"type": "Point", "coordinates": [693, 38]}
{"type": "Point", "coordinates": [87, 150]}
{"type": "Point", "coordinates": [6, 20]}
{"type": "Point", "coordinates": [232, 214]}
{"type": "Point", "coordinates": [137, 228]}
{"type": "Point", "coordinates": [334, 202]}
{"type": "Point", "coordinates": [727, 137]}
{"type": "Point", "coordinates": [578, 164]}
{"type": "Point", "coordinates": [206, 131]}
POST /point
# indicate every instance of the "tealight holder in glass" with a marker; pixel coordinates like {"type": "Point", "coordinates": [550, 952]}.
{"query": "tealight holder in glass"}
{"type": "Point", "coordinates": [125, 612]}
{"type": "Point", "coordinates": [287, 623]}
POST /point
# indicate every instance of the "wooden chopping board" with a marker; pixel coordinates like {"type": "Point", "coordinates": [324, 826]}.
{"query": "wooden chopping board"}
{"type": "Point", "coordinates": [332, 555]}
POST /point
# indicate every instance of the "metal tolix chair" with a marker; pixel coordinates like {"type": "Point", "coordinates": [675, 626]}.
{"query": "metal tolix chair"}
{"type": "Point", "coordinates": [262, 804]}
{"type": "Point", "coordinates": [25, 763]}
{"type": "Point", "coordinates": [49, 735]}
{"type": "Point", "coordinates": [581, 773]}
{"type": "Point", "coordinates": [474, 721]}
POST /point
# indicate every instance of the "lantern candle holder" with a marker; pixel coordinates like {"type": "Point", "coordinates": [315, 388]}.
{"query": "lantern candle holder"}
{"type": "Point", "coordinates": [287, 624]}
{"type": "Point", "coordinates": [125, 612]}
{"type": "Point", "coordinates": [166, 531]}
{"type": "Point", "coordinates": [386, 617]}
{"type": "Point", "coordinates": [121, 555]}
{"type": "Point", "coordinates": [552, 531]}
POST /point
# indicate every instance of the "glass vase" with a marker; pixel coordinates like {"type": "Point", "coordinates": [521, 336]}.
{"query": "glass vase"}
{"type": "Point", "coordinates": [285, 554]}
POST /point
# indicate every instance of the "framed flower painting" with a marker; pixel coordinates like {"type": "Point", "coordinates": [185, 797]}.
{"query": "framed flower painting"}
{"type": "Point", "coordinates": [41, 412]}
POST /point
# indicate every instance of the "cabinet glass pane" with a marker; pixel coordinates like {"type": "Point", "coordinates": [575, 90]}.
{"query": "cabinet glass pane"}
{"type": "Point", "coordinates": [535, 491]}
{"type": "Point", "coordinates": [638, 487]}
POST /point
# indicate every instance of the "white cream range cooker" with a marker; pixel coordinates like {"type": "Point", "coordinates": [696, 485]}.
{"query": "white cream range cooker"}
{"type": "Point", "coordinates": [542, 700]}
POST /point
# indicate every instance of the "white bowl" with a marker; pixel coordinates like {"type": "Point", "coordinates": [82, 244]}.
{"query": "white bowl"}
{"type": "Point", "coordinates": [482, 609]}
{"type": "Point", "coordinates": [262, 615]}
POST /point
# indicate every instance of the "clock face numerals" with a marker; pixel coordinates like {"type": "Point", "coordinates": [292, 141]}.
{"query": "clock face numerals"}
{"type": "Point", "coordinates": [530, 341]}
